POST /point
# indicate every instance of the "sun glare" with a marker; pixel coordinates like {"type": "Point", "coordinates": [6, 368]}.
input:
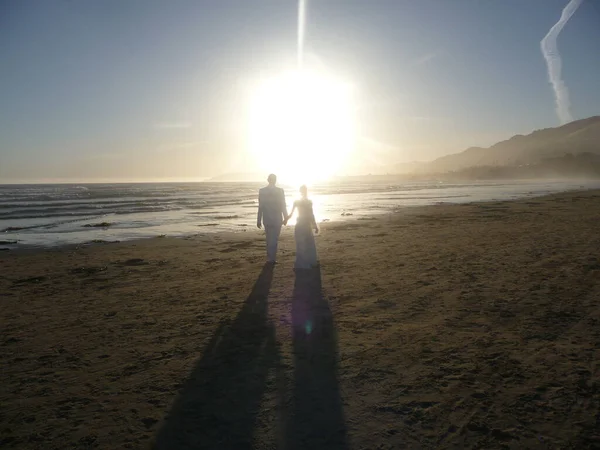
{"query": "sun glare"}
{"type": "Point", "coordinates": [302, 126]}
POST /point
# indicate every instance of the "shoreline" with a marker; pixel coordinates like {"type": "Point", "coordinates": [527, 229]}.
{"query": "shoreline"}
{"type": "Point", "coordinates": [448, 326]}
{"type": "Point", "coordinates": [236, 214]}
{"type": "Point", "coordinates": [16, 248]}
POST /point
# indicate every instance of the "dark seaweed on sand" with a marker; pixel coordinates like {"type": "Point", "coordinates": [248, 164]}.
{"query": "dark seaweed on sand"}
{"type": "Point", "coordinates": [98, 225]}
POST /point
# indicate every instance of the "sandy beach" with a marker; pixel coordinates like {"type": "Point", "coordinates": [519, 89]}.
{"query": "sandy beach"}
{"type": "Point", "coordinates": [449, 326]}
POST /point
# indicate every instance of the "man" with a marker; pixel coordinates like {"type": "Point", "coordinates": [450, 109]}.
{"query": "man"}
{"type": "Point", "coordinates": [272, 213]}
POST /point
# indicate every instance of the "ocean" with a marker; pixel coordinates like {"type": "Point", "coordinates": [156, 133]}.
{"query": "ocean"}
{"type": "Point", "coordinates": [50, 215]}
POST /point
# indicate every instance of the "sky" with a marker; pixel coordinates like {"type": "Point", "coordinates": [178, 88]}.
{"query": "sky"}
{"type": "Point", "coordinates": [128, 90]}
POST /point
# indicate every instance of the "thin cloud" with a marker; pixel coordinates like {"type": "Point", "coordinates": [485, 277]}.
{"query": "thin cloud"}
{"type": "Point", "coordinates": [172, 125]}
{"type": "Point", "coordinates": [377, 146]}
{"type": "Point", "coordinates": [423, 59]}
{"type": "Point", "coordinates": [103, 156]}
{"type": "Point", "coordinates": [419, 118]}
{"type": "Point", "coordinates": [180, 146]}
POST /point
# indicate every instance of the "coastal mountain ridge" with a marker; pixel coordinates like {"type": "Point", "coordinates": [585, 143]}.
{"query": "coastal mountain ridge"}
{"type": "Point", "coordinates": [580, 136]}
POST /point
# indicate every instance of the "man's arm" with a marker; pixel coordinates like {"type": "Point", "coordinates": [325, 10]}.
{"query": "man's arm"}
{"type": "Point", "coordinates": [260, 212]}
{"type": "Point", "coordinates": [293, 210]}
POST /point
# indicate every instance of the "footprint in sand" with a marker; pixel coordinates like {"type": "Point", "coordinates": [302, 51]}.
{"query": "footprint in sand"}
{"type": "Point", "coordinates": [30, 280]}
{"type": "Point", "coordinates": [135, 262]}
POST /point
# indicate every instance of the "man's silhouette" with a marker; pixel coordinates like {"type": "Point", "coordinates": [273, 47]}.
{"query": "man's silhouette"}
{"type": "Point", "coordinates": [272, 213]}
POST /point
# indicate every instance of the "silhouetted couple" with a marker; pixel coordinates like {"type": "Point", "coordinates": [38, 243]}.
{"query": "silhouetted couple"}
{"type": "Point", "coordinates": [272, 213]}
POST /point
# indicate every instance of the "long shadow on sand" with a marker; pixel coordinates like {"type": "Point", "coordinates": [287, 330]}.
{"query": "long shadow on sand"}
{"type": "Point", "coordinates": [316, 419]}
{"type": "Point", "coordinates": [219, 403]}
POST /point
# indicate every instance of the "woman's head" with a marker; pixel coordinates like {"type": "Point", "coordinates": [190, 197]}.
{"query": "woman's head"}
{"type": "Point", "coordinates": [303, 191]}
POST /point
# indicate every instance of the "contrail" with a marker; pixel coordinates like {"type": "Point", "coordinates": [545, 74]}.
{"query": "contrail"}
{"type": "Point", "coordinates": [552, 57]}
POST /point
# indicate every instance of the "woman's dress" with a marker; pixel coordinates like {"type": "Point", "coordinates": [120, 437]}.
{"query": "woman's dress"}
{"type": "Point", "coordinates": [306, 250]}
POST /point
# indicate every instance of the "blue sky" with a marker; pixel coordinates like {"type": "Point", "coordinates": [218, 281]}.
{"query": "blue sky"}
{"type": "Point", "coordinates": [143, 89]}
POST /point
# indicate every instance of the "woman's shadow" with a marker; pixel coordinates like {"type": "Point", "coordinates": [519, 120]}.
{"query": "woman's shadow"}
{"type": "Point", "coordinates": [219, 403]}
{"type": "Point", "coordinates": [316, 420]}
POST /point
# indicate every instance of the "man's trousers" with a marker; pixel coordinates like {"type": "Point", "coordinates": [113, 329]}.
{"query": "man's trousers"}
{"type": "Point", "coordinates": [273, 232]}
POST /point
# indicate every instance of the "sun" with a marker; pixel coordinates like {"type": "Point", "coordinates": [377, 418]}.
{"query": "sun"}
{"type": "Point", "coordinates": [301, 126]}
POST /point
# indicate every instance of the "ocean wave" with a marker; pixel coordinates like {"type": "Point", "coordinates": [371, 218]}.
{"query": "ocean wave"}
{"type": "Point", "coordinates": [426, 197]}
{"type": "Point", "coordinates": [43, 225]}
{"type": "Point", "coordinates": [128, 201]}
{"type": "Point", "coordinates": [85, 212]}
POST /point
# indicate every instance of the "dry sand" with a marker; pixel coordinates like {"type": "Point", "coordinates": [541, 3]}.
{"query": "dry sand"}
{"type": "Point", "coordinates": [452, 326]}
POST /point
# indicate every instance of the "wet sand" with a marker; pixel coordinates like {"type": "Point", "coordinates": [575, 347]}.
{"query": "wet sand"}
{"type": "Point", "coordinates": [450, 326]}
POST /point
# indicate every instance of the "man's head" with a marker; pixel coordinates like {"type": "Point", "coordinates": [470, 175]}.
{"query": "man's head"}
{"type": "Point", "coordinates": [272, 179]}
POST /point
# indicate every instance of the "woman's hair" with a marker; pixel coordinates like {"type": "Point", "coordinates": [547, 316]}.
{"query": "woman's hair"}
{"type": "Point", "coordinates": [303, 189]}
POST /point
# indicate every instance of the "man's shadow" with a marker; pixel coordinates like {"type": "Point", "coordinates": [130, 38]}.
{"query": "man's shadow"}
{"type": "Point", "coordinates": [219, 403]}
{"type": "Point", "coordinates": [316, 419]}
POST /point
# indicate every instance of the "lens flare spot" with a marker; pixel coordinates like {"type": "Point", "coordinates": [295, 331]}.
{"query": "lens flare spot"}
{"type": "Point", "coordinates": [308, 327]}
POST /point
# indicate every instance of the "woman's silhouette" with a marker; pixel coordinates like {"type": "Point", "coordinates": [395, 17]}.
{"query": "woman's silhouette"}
{"type": "Point", "coordinates": [306, 250]}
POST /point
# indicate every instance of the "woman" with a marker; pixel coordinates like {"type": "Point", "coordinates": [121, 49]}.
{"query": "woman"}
{"type": "Point", "coordinates": [306, 250]}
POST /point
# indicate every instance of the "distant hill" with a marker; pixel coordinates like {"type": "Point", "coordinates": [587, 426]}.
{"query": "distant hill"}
{"type": "Point", "coordinates": [580, 136]}
{"type": "Point", "coordinates": [410, 167]}
{"type": "Point", "coordinates": [568, 166]}
{"type": "Point", "coordinates": [582, 165]}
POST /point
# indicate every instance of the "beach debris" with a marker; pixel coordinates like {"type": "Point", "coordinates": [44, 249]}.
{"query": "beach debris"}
{"type": "Point", "coordinates": [6, 230]}
{"type": "Point", "coordinates": [87, 441]}
{"type": "Point", "coordinates": [30, 280]}
{"type": "Point", "coordinates": [135, 262]}
{"type": "Point", "coordinates": [161, 236]}
{"type": "Point", "coordinates": [285, 320]}
{"type": "Point", "coordinates": [149, 422]}
{"type": "Point", "coordinates": [226, 217]}
{"type": "Point", "coordinates": [98, 225]}
{"type": "Point", "coordinates": [503, 435]}
{"type": "Point", "coordinates": [88, 270]}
